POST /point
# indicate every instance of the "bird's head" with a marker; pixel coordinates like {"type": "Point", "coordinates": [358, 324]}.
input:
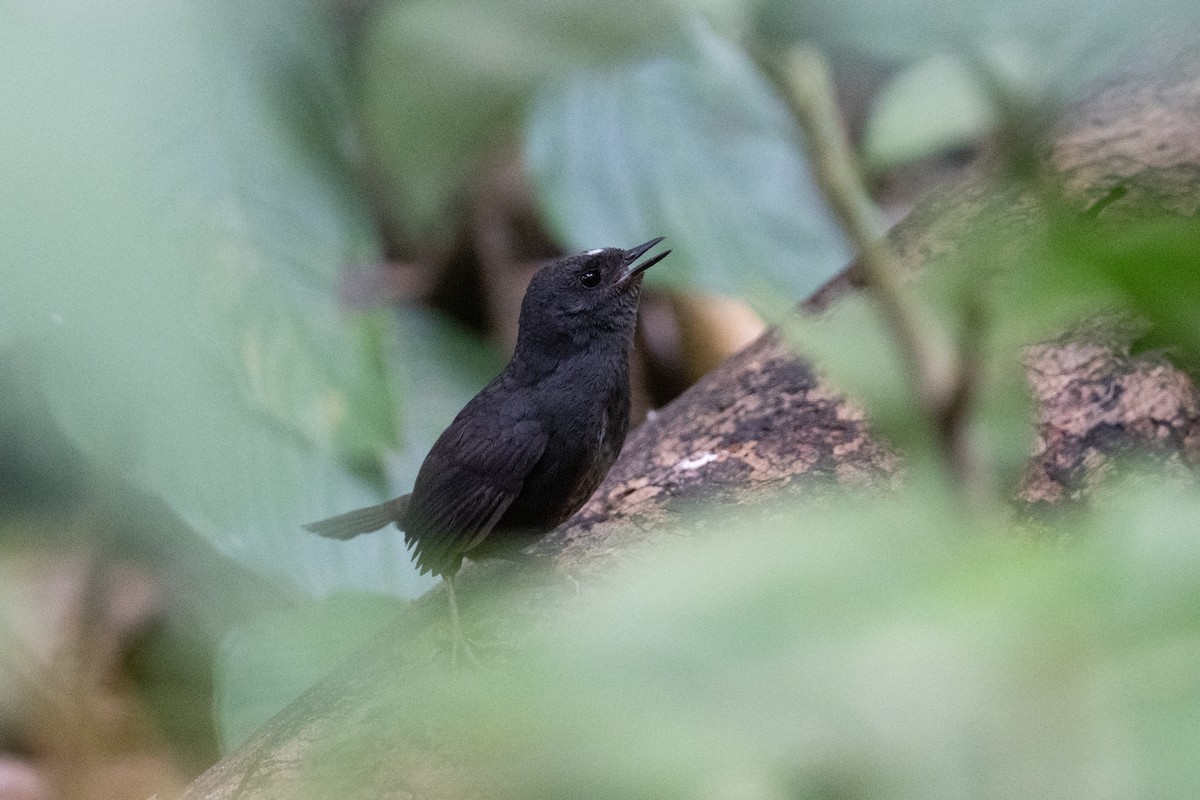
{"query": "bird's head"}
{"type": "Point", "coordinates": [586, 294]}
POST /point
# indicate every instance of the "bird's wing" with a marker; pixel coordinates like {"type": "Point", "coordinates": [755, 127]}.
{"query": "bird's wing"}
{"type": "Point", "coordinates": [472, 475]}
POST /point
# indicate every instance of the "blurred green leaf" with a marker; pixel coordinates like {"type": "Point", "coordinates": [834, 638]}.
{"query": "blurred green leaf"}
{"type": "Point", "coordinates": [444, 366]}
{"type": "Point", "coordinates": [441, 83]}
{"type": "Point", "coordinates": [1075, 267]}
{"type": "Point", "coordinates": [882, 647]}
{"type": "Point", "coordinates": [177, 209]}
{"type": "Point", "coordinates": [266, 664]}
{"type": "Point", "coordinates": [696, 147]}
{"type": "Point", "coordinates": [1153, 264]}
{"type": "Point", "coordinates": [851, 345]}
{"type": "Point", "coordinates": [1052, 48]}
{"type": "Point", "coordinates": [929, 108]}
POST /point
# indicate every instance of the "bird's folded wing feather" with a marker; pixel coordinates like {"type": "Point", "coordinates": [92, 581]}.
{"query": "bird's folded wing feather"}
{"type": "Point", "coordinates": [471, 476]}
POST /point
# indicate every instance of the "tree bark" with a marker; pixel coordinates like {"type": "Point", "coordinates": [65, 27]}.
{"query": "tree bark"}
{"type": "Point", "coordinates": [766, 421]}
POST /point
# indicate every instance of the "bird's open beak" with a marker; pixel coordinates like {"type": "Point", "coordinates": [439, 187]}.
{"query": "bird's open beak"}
{"type": "Point", "coordinates": [634, 253]}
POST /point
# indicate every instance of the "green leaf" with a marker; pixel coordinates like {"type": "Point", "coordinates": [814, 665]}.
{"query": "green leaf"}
{"type": "Point", "coordinates": [879, 646]}
{"type": "Point", "coordinates": [932, 107]}
{"type": "Point", "coordinates": [1078, 267]}
{"type": "Point", "coordinates": [696, 147]}
{"type": "Point", "coordinates": [1052, 48]}
{"type": "Point", "coordinates": [441, 82]}
{"type": "Point", "coordinates": [1153, 264]}
{"type": "Point", "coordinates": [177, 210]}
{"type": "Point", "coordinates": [266, 664]}
{"type": "Point", "coordinates": [444, 366]}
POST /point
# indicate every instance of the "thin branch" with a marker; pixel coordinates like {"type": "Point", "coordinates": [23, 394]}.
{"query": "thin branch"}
{"type": "Point", "coordinates": [944, 383]}
{"type": "Point", "coordinates": [836, 172]}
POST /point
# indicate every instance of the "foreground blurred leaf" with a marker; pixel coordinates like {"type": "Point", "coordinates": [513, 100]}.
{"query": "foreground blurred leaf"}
{"type": "Point", "coordinates": [698, 148]}
{"type": "Point", "coordinates": [444, 366]}
{"type": "Point", "coordinates": [441, 82]}
{"type": "Point", "coordinates": [882, 647]}
{"type": "Point", "coordinates": [1153, 264]}
{"type": "Point", "coordinates": [264, 665]}
{"type": "Point", "coordinates": [176, 212]}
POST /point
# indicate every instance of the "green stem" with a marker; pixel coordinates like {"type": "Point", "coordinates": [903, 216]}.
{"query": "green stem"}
{"type": "Point", "coordinates": [943, 382]}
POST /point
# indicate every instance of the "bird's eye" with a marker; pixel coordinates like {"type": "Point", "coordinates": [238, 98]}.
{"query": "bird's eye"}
{"type": "Point", "coordinates": [590, 279]}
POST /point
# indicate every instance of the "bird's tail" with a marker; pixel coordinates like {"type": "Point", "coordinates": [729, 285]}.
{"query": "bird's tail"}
{"type": "Point", "coordinates": [361, 520]}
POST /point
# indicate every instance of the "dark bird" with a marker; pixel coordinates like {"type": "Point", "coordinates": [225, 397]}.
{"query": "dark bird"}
{"type": "Point", "coordinates": [527, 451]}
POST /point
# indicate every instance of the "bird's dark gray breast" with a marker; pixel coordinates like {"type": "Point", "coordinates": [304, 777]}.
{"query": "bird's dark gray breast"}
{"type": "Point", "coordinates": [586, 435]}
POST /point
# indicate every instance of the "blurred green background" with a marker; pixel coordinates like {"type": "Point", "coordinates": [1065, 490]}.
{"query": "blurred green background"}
{"type": "Point", "coordinates": [254, 257]}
